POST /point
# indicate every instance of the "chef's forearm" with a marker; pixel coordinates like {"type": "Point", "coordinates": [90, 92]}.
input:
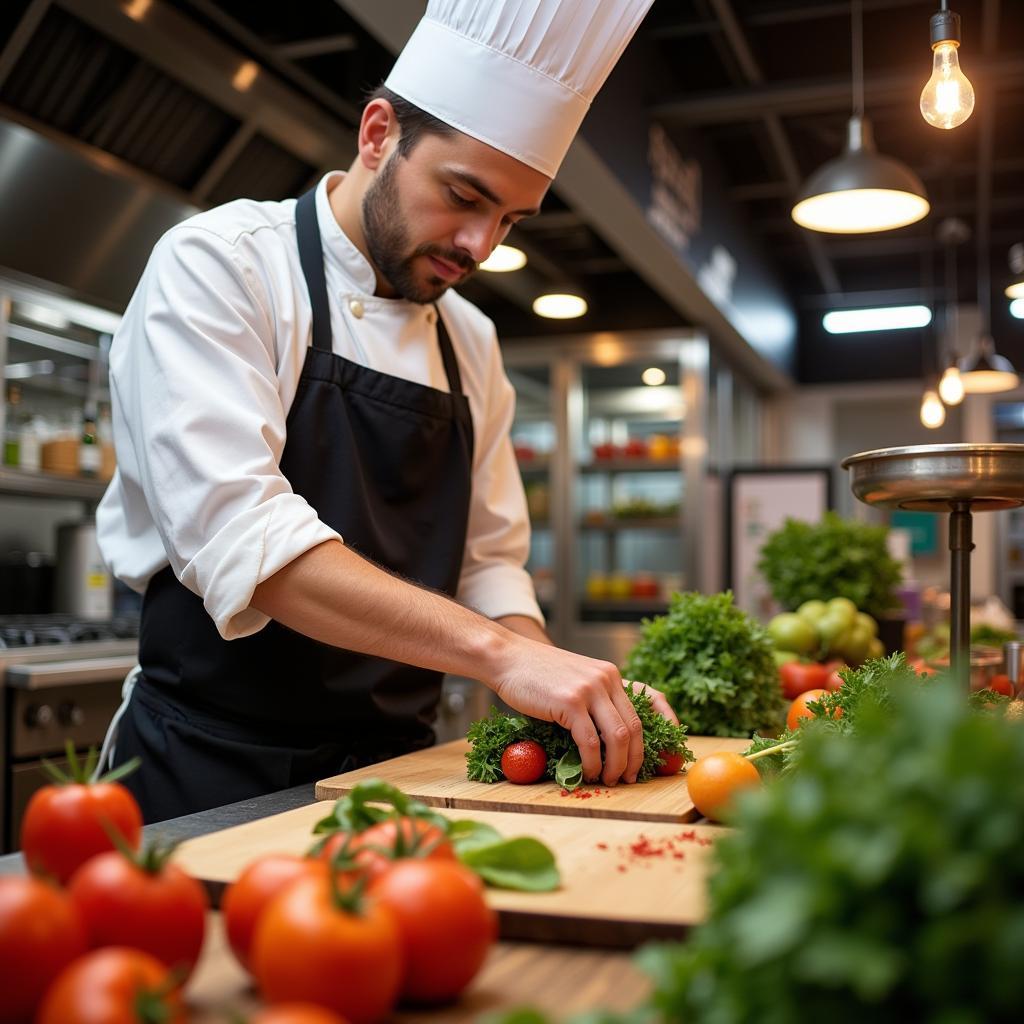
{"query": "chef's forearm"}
{"type": "Point", "coordinates": [334, 595]}
{"type": "Point", "coordinates": [525, 626]}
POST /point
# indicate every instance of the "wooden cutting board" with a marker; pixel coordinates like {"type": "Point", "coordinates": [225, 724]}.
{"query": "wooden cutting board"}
{"type": "Point", "coordinates": [437, 776]}
{"type": "Point", "coordinates": [623, 882]}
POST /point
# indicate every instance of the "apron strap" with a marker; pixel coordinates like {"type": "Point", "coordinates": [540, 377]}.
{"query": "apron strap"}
{"type": "Point", "coordinates": [311, 256]}
{"type": "Point", "coordinates": [451, 364]}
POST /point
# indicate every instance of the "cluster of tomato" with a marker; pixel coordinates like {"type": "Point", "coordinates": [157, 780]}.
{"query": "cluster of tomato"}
{"type": "Point", "coordinates": [100, 933]}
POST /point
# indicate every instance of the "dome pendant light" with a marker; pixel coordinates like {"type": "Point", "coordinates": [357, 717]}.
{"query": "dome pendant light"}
{"type": "Point", "coordinates": [861, 190]}
{"type": "Point", "coordinates": [987, 372]}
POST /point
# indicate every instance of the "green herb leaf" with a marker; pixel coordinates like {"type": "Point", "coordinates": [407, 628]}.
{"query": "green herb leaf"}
{"type": "Point", "coordinates": [354, 812]}
{"type": "Point", "coordinates": [524, 863]}
{"type": "Point", "coordinates": [569, 770]}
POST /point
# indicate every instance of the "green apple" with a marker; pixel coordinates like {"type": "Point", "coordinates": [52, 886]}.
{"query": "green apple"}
{"type": "Point", "coordinates": [784, 657]}
{"type": "Point", "coordinates": [876, 649]}
{"type": "Point", "coordinates": [790, 632]}
{"type": "Point", "coordinates": [833, 624]}
{"type": "Point", "coordinates": [812, 611]}
{"type": "Point", "coordinates": [855, 644]}
{"type": "Point", "coordinates": [845, 604]}
{"type": "Point", "coordinates": [864, 621]}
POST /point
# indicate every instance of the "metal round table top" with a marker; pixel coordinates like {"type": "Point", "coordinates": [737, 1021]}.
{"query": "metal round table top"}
{"type": "Point", "coordinates": [939, 477]}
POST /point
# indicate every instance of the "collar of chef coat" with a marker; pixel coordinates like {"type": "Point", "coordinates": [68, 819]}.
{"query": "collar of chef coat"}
{"type": "Point", "coordinates": [338, 247]}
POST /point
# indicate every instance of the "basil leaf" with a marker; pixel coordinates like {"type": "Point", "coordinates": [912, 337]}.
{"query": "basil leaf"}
{"type": "Point", "coordinates": [468, 835]}
{"type": "Point", "coordinates": [569, 770]}
{"type": "Point", "coordinates": [524, 864]}
{"type": "Point", "coordinates": [353, 813]}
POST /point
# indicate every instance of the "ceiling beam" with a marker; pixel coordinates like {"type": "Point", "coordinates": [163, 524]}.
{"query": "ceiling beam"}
{"type": "Point", "coordinates": [821, 95]}
{"type": "Point", "coordinates": [751, 70]}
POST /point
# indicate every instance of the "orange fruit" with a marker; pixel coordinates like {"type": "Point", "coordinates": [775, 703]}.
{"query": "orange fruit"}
{"type": "Point", "coordinates": [799, 709]}
{"type": "Point", "coordinates": [716, 778]}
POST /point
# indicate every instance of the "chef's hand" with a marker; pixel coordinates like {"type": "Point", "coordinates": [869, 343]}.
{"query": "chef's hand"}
{"type": "Point", "coordinates": [581, 694]}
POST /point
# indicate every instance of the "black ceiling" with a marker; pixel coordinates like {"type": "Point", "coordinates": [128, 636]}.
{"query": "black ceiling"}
{"type": "Point", "coordinates": [765, 82]}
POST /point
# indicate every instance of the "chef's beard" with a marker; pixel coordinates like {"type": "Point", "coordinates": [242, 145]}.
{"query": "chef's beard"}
{"type": "Point", "coordinates": [387, 239]}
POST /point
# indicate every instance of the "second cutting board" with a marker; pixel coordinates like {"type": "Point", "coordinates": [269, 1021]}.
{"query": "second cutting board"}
{"type": "Point", "coordinates": [623, 882]}
{"type": "Point", "coordinates": [437, 777]}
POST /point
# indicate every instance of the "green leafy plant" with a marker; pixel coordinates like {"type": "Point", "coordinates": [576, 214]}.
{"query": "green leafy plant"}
{"type": "Point", "coordinates": [491, 735]}
{"type": "Point", "coordinates": [885, 877]}
{"type": "Point", "coordinates": [714, 664]}
{"type": "Point", "coordinates": [834, 558]}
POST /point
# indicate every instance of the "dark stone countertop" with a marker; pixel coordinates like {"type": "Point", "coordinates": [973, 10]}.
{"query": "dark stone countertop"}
{"type": "Point", "coordinates": [203, 822]}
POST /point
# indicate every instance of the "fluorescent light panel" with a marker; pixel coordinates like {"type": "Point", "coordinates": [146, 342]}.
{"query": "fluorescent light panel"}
{"type": "Point", "coordinates": [884, 318]}
{"type": "Point", "coordinates": [1017, 308]}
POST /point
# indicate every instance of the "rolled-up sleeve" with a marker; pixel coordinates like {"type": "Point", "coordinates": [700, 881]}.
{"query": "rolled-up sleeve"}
{"type": "Point", "coordinates": [494, 579]}
{"type": "Point", "coordinates": [203, 427]}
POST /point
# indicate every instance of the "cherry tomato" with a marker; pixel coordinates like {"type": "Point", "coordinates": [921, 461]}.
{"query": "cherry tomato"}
{"type": "Point", "coordinates": [246, 899]}
{"type": "Point", "coordinates": [445, 922]}
{"type": "Point", "coordinates": [1001, 683]}
{"type": "Point", "coordinates": [798, 677]}
{"type": "Point", "coordinates": [309, 947]}
{"type": "Point", "coordinates": [107, 986]}
{"type": "Point", "coordinates": [64, 825]}
{"type": "Point", "coordinates": [799, 710]}
{"type": "Point", "coordinates": [669, 764]}
{"type": "Point", "coordinates": [716, 778]}
{"type": "Point", "coordinates": [834, 681]}
{"type": "Point", "coordinates": [40, 934]}
{"type": "Point", "coordinates": [296, 1013]}
{"type": "Point", "coordinates": [524, 762]}
{"type": "Point", "coordinates": [161, 911]}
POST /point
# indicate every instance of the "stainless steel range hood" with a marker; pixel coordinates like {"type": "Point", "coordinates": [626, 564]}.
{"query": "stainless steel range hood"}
{"type": "Point", "coordinates": [68, 221]}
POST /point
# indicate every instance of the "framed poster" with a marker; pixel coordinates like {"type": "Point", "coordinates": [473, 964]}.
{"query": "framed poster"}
{"type": "Point", "coordinates": [759, 500]}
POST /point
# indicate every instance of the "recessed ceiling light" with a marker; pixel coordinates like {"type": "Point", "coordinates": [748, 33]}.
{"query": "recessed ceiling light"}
{"type": "Point", "coordinates": [884, 318]}
{"type": "Point", "coordinates": [503, 259]}
{"type": "Point", "coordinates": [1017, 308]}
{"type": "Point", "coordinates": [653, 375]}
{"type": "Point", "coordinates": [560, 305]}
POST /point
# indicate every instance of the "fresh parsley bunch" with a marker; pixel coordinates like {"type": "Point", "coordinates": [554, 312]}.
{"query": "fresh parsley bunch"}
{"type": "Point", "coordinates": [884, 879]}
{"type": "Point", "coordinates": [491, 735]}
{"type": "Point", "coordinates": [834, 558]}
{"type": "Point", "coordinates": [714, 664]}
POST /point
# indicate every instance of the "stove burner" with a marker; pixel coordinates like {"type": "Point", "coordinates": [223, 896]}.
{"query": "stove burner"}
{"type": "Point", "coordinates": [37, 630]}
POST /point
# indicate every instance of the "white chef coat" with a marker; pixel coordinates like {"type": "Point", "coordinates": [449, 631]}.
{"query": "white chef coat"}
{"type": "Point", "coordinates": [203, 371]}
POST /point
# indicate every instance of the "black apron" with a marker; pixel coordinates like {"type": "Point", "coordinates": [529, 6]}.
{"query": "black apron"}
{"type": "Point", "coordinates": [387, 463]}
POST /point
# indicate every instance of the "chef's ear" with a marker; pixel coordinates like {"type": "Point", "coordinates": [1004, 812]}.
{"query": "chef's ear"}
{"type": "Point", "coordinates": [378, 133]}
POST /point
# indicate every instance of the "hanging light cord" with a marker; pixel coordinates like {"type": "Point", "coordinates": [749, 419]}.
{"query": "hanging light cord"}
{"type": "Point", "coordinates": [856, 35]}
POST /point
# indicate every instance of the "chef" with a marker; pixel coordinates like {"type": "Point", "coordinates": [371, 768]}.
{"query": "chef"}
{"type": "Point", "coordinates": [316, 489]}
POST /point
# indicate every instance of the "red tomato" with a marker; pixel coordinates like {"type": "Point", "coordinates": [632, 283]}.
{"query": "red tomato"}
{"type": "Point", "coordinates": [670, 764]}
{"type": "Point", "coordinates": [798, 677]}
{"type": "Point", "coordinates": [382, 844]}
{"type": "Point", "coordinates": [256, 886]}
{"type": "Point", "coordinates": [834, 681]}
{"type": "Point", "coordinates": [1001, 684]}
{"type": "Point", "coordinates": [799, 710]}
{"type": "Point", "coordinates": [524, 762]}
{"type": "Point", "coordinates": [40, 934]}
{"type": "Point", "coordinates": [105, 986]}
{"type": "Point", "coordinates": [296, 1013]}
{"type": "Point", "coordinates": [162, 912]}
{"type": "Point", "coordinates": [309, 948]}
{"type": "Point", "coordinates": [63, 825]}
{"type": "Point", "coordinates": [921, 667]}
{"type": "Point", "coordinates": [445, 923]}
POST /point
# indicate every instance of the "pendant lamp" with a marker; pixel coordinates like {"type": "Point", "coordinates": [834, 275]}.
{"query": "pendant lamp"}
{"type": "Point", "coordinates": [861, 190]}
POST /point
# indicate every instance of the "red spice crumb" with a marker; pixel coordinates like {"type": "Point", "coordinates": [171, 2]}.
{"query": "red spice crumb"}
{"type": "Point", "coordinates": [622, 867]}
{"type": "Point", "coordinates": [678, 855]}
{"type": "Point", "coordinates": [564, 792]}
{"type": "Point", "coordinates": [602, 846]}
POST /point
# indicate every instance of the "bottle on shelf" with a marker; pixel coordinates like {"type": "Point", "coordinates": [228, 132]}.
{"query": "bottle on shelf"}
{"type": "Point", "coordinates": [89, 455]}
{"type": "Point", "coordinates": [12, 428]}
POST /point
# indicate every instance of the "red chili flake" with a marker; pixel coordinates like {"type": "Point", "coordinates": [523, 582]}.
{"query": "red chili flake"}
{"type": "Point", "coordinates": [564, 792]}
{"type": "Point", "coordinates": [602, 846]}
{"type": "Point", "coordinates": [622, 867]}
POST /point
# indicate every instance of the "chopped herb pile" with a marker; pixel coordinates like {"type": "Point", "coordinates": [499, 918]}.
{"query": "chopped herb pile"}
{"type": "Point", "coordinates": [490, 736]}
{"type": "Point", "coordinates": [714, 663]}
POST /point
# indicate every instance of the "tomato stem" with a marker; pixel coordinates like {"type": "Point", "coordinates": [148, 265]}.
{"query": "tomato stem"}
{"type": "Point", "coordinates": [81, 774]}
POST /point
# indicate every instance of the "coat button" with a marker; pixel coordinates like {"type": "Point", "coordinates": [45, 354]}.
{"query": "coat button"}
{"type": "Point", "coordinates": [431, 315]}
{"type": "Point", "coordinates": [355, 307]}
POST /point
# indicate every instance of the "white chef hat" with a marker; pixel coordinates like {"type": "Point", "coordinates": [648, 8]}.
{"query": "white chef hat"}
{"type": "Point", "coordinates": [516, 74]}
